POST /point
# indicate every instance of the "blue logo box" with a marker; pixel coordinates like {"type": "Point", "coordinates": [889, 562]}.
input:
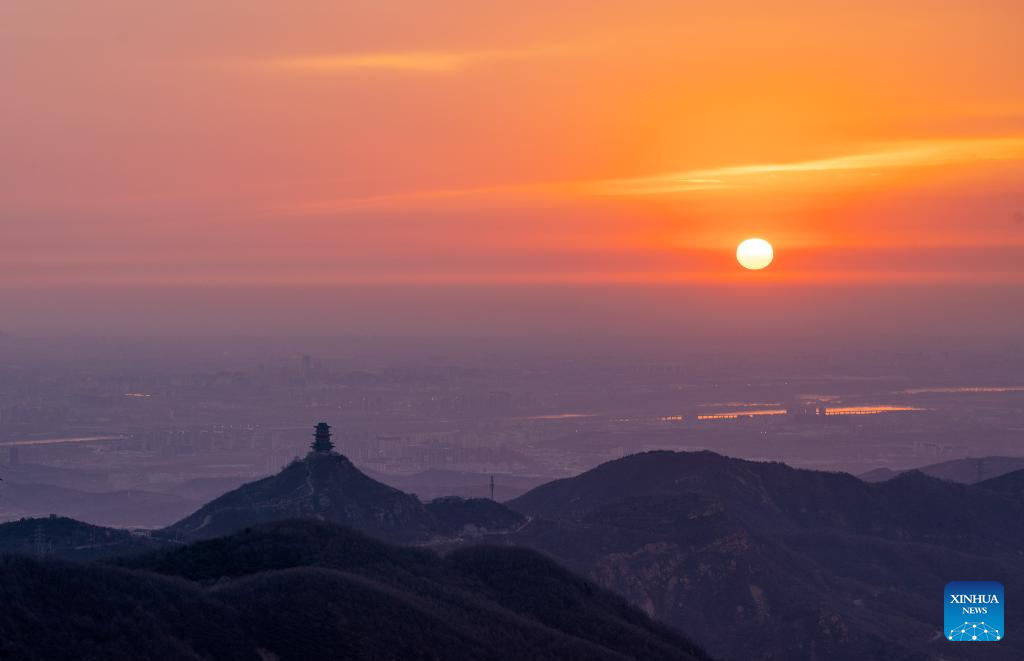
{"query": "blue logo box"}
{"type": "Point", "coordinates": [974, 611]}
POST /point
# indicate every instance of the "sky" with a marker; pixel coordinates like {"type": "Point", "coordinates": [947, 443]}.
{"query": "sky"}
{"type": "Point", "coordinates": [512, 166]}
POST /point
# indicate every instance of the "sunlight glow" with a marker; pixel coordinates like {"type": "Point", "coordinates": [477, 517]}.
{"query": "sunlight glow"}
{"type": "Point", "coordinates": [755, 254]}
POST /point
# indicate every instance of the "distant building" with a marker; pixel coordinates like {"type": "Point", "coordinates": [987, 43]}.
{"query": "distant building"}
{"type": "Point", "coordinates": [807, 408]}
{"type": "Point", "coordinates": [322, 439]}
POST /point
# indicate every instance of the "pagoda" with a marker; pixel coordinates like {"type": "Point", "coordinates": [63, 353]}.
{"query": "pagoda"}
{"type": "Point", "coordinates": [322, 439]}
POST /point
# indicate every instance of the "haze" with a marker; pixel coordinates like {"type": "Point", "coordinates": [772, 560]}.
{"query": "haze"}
{"type": "Point", "coordinates": [494, 330]}
{"type": "Point", "coordinates": [512, 169]}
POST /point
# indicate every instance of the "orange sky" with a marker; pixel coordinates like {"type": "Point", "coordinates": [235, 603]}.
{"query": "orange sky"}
{"type": "Point", "coordinates": [317, 142]}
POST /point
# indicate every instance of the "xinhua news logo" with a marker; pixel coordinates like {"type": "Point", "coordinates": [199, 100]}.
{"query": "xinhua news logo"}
{"type": "Point", "coordinates": [974, 611]}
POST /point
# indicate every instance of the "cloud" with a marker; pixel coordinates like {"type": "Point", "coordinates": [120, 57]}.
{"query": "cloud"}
{"type": "Point", "coordinates": [414, 198]}
{"type": "Point", "coordinates": [894, 156]}
{"type": "Point", "coordinates": [902, 155]}
{"type": "Point", "coordinates": [402, 61]}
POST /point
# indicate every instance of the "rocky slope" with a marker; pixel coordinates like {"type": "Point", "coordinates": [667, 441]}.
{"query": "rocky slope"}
{"type": "Point", "coordinates": [762, 561]}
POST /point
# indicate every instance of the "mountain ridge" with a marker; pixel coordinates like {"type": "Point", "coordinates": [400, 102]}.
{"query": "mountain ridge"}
{"type": "Point", "coordinates": [328, 487]}
{"type": "Point", "coordinates": [759, 560]}
{"type": "Point", "coordinates": [970, 470]}
{"type": "Point", "coordinates": [305, 589]}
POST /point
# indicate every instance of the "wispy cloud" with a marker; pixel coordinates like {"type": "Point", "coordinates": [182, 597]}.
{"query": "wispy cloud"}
{"type": "Point", "coordinates": [903, 155]}
{"type": "Point", "coordinates": [895, 156]}
{"type": "Point", "coordinates": [403, 61]}
{"type": "Point", "coordinates": [416, 198]}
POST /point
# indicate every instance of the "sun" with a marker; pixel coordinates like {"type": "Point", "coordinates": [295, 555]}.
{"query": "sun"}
{"type": "Point", "coordinates": [754, 254]}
